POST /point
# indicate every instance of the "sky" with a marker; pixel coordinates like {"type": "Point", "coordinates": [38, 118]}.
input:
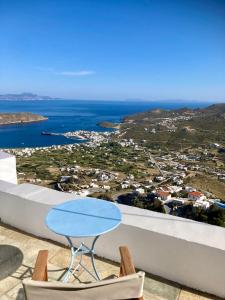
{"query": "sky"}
{"type": "Point", "coordinates": [114, 49]}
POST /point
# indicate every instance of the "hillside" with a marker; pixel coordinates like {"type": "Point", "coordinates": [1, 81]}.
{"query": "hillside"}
{"type": "Point", "coordinates": [174, 128]}
{"type": "Point", "coordinates": [109, 125]}
{"type": "Point", "coordinates": [18, 118]}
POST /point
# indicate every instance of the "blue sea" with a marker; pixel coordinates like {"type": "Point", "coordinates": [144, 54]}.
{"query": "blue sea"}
{"type": "Point", "coordinates": [71, 115]}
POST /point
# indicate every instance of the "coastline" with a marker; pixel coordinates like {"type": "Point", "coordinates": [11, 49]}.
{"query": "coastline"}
{"type": "Point", "coordinates": [89, 138]}
{"type": "Point", "coordinates": [20, 118]}
{"type": "Point", "coordinates": [107, 124]}
{"type": "Point", "coordinates": [70, 116]}
{"type": "Point", "coordinates": [22, 122]}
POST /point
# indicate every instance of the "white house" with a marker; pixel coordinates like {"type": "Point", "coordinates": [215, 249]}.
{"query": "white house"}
{"type": "Point", "coordinates": [140, 190]}
{"type": "Point", "coordinates": [106, 187]}
{"type": "Point", "coordinates": [175, 188]}
{"type": "Point", "coordinates": [163, 195]}
{"type": "Point", "coordinates": [196, 196]}
{"type": "Point", "coordinates": [159, 178]}
{"type": "Point", "coordinates": [124, 185]}
{"type": "Point", "coordinates": [190, 189]}
{"type": "Point", "coordinates": [202, 203]}
{"type": "Point", "coordinates": [94, 185]}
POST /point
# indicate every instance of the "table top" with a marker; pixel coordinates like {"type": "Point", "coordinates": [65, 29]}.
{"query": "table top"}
{"type": "Point", "coordinates": [83, 217]}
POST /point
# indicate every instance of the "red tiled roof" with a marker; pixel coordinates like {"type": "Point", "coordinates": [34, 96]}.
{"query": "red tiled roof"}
{"type": "Point", "coordinates": [198, 194]}
{"type": "Point", "coordinates": [162, 193]}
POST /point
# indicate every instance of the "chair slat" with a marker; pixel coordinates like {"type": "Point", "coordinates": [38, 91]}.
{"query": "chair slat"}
{"type": "Point", "coordinates": [126, 265]}
{"type": "Point", "coordinates": [40, 270]}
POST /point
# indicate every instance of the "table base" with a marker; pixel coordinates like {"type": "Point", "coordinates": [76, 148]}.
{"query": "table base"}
{"type": "Point", "coordinates": [75, 252]}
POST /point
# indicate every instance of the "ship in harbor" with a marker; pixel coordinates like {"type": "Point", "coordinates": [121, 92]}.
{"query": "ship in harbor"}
{"type": "Point", "coordinates": [49, 133]}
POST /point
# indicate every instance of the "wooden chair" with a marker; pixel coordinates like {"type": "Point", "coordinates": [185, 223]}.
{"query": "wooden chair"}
{"type": "Point", "coordinates": [129, 285]}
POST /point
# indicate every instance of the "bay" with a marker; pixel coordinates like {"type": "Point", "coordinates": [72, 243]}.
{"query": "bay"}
{"type": "Point", "coordinates": [71, 115]}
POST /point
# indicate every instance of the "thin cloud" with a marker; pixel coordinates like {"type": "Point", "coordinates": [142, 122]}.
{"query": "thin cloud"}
{"type": "Point", "coordinates": [76, 73]}
{"type": "Point", "coordinates": [66, 73]}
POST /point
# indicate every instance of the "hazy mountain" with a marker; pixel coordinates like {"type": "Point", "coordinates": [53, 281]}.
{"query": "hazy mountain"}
{"type": "Point", "coordinates": [25, 96]}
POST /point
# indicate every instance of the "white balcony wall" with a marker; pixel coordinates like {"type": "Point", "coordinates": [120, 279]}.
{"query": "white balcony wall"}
{"type": "Point", "coordinates": [181, 250]}
{"type": "Point", "coordinates": [8, 167]}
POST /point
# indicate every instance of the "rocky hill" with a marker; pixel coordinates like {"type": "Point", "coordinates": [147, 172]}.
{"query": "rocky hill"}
{"type": "Point", "coordinates": [176, 127]}
{"type": "Point", "coordinates": [19, 118]}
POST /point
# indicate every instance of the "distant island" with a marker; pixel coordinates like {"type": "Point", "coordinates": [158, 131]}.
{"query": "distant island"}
{"type": "Point", "coordinates": [25, 96]}
{"type": "Point", "coordinates": [19, 118]}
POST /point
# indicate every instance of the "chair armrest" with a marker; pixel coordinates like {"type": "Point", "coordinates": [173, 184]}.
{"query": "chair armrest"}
{"type": "Point", "coordinates": [126, 265]}
{"type": "Point", "coordinates": [40, 270]}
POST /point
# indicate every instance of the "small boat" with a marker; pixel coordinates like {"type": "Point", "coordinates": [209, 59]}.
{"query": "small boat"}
{"type": "Point", "coordinates": [46, 133]}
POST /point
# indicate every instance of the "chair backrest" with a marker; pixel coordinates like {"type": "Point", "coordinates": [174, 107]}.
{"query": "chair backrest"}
{"type": "Point", "coordinates": [126, 287]}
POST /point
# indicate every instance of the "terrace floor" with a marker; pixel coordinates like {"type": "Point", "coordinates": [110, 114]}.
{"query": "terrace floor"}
{"type": "Point", "coordinates": [18, 252]}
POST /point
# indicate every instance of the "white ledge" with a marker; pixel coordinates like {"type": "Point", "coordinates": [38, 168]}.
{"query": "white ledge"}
{"type": "Point", "coordinates": [178, 249]}
{"type": "Point", "coordinates": [189, 230]}
{"type": "Point", "coordinates": [8, 167]}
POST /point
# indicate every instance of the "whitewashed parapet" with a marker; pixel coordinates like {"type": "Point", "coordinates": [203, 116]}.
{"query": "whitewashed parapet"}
{"type": "Point", "coordinates": [8, 167]}
{"type": "Point", "coordinates": [181, 250]}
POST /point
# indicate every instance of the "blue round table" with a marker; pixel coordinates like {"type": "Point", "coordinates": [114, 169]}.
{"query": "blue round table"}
{"type": "Point", "coordinates": [81, 218]}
